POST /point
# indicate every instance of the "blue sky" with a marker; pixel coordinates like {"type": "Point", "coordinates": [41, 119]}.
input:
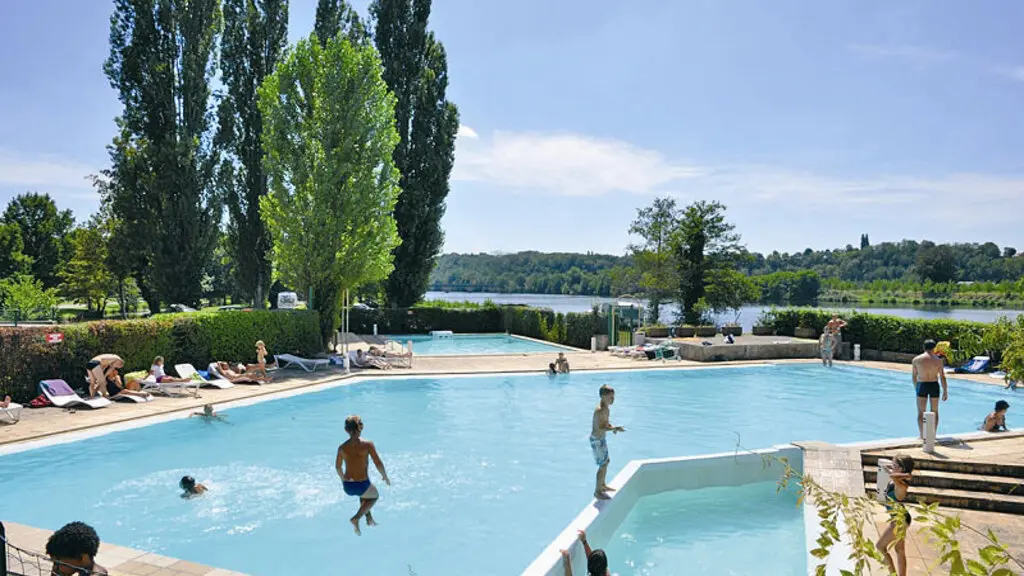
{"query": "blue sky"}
{"type": "Point", "coordinates": [813, 122]}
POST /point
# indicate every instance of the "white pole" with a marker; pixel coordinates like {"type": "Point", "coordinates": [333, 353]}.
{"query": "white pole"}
{"type": "Point", "coordinates": [882, 481]}
{"type": "Point", "coordinates": [929, 431]}
{"type": "Point", "coordinates": [345, 359]}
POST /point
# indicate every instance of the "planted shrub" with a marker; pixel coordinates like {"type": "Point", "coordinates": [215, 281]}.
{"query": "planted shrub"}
{"type": "Point", "coordinates": [197, 338]}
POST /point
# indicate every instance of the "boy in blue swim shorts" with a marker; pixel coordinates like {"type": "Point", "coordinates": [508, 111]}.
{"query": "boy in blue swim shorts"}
{"type": "Point", "coordinates": [352, 465]}
{"type": "Point", "coordinates": [598, 441]}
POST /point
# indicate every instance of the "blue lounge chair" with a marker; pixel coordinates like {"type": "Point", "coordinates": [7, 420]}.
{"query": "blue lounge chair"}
{"type": "Point", "coordinates": [977, 365]}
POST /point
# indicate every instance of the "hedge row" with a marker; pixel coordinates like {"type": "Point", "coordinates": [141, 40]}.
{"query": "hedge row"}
{"type": "Point", "coordinates": [422, 320]}
{"type": "Point", "coordinates": [571, 329]}
{"type": "Point", "coordinates": [879, 332]}
{"type": "Point", "coordinates": [196, 338]}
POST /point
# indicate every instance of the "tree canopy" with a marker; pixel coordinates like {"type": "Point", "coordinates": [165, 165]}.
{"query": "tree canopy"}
{"type": "Point", "coordinates": [328, 135]}
{"type": "Point", "coordinates": [44, 236]}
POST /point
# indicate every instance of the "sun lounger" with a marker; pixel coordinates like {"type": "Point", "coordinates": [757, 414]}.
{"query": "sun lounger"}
{"type": "Point", "coordinates": [11, 414]}
{"type": "Point", "coordinates": [62, 396]}
{"type": "Point", "coordinates": [189, 371]}
{"type": "Point", "coordinates": [977, 365]}
{"type": "Point", "coordinates": [307, 364]}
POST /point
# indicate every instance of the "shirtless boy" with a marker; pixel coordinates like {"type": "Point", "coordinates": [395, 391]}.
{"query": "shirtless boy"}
{"type": "Point", "coordinates": [598, 442]}
{"type": "Point", "coordinates": [354, 454]}
{"type": "Point", "coordinates": [927, 374]}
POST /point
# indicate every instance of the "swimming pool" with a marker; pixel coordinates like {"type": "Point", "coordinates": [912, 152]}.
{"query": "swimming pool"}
{"type": "Point", "coordinates": [485, 470]}
{"type": "Point", "coordinates": [425, 345]}
{"type": "Point", "coordinates": [693, 528]}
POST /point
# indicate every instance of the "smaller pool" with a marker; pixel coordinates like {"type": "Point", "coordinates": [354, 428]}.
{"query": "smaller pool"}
{"type": "Point", "coordinates": [686, 531]}
{"type": "Point", "coordinates": [460, 344]}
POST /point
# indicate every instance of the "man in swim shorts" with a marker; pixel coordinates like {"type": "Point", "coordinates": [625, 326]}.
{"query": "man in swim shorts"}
{"type": "Point", "coordinates": [354, 454]}
{"type": "Point", "coordinates": [927, 374]}
{"type": "Point", "coordinates": [598, 442]}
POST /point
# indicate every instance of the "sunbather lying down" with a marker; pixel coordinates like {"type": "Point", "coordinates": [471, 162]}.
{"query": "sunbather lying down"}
{"type": "Point", "coordinates": [238, 377]}
{"type": "Point", "coordinates": [385, 353]}
{"type": "Point", "coordinates": [363, 360]}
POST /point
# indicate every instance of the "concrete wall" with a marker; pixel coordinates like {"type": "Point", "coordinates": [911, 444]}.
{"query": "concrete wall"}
{"type": "Point", "coordinates": [878, 355]}
{"type": "Point", "coordinates": [738, 351]}
{"type": "Point", "coordinates": [647, 477]}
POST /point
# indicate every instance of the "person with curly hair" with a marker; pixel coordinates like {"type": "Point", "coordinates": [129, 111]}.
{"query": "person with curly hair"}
{"type": "Point", "coordinates": [73, 550]}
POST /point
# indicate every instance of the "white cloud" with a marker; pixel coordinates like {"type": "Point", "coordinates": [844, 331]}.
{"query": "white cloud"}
{"type": "Point", "coordinates": [579, 165]}
{"type": "Point", "coordinates": [917, 54]}
{"type": "Point", "coordinates": [466, 132]}
{"type": "Point", "coordinates": [43, 174]}
{"type": "Point", "coordinates": [923, 56]}
{"type": "Point", "coordinates": [568, 164]}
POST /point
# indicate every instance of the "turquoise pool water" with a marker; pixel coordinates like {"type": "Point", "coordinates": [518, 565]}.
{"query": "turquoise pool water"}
{"type": "Point", "coordinates": [748, 530]}
{"type": "Point", "coordinates": [485, 470]}
{"type": "Point", "coordinates": [425, 345]}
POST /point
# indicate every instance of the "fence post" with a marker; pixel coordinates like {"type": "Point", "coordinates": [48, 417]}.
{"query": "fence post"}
{"type": "Point", "coordinates": [17, 316]}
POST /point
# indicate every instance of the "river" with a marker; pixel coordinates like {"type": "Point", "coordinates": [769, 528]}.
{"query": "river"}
{"type": "Point", "coordinates": [747, 314]}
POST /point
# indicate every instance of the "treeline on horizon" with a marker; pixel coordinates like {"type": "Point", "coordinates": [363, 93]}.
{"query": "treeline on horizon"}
{"type": "Point", "coordinates": [783, 278]}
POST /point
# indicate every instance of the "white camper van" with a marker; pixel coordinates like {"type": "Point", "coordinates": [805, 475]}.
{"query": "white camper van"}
{"type": "Point", "coordinates": [287, 300]}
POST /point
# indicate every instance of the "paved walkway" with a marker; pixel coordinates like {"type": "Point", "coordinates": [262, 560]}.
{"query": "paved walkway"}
{"type": "Point", "coordinates": [839, 469]}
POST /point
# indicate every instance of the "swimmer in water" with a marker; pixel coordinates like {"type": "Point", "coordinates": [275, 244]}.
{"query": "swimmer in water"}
{"type": "Point", "coordinates": [208, 414]}
{"type": "Point", "coordinates": [190, 488]}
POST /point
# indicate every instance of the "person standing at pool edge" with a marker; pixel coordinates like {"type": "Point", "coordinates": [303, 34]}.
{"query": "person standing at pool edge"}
{"type": "Point", "coordinates": [927, 373]}
{"type": "Point", "coordinates": [354, 454]}
{"type": "Point", "coordinates": [598, 442]}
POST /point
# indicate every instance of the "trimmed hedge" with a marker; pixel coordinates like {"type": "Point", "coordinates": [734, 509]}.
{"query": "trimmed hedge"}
{"type": "Point", "coordinates": [879, 332]}
{"type": "Point", "coordinates": [422, 320]}
{"type": "Point", "coordinates": [196, 338]}
{"type": "Point", "coordinates": [571, 329]}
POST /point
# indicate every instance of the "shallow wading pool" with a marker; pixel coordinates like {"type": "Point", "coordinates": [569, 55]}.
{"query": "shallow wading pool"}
{"type": "Point", "coordinates": [474, 344]}
{"type": "Point", "coordinates": [485, 470]}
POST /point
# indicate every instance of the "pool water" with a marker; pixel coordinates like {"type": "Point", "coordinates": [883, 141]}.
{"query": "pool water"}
{"type": "Point", "coordinates": [485, 470]}
{"type": "Point", "coordinates": [740, 530]}
{"type": "Point", "coordinates": [466, 344]}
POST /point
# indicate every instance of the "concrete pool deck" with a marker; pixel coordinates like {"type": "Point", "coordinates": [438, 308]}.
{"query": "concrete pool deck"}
{"type": "Point", "coordinates": [41, 424]}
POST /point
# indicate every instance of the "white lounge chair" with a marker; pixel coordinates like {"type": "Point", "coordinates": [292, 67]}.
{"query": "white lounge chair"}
{"type": "Point", "coordinates": [307, 364]}
{"type": "Point", "coordinates": [62, 396]}
{"type": "Point", "coordinates": [189, 371]}
{"type": "Point", "coordinates": [11, 414]}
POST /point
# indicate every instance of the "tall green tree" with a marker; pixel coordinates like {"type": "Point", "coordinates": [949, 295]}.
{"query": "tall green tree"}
{"type": "Point", "coordinates": [255, 36]}
{"type": "Point", "coordinates": [162, 59]}
{"type": "Point", "coordinates": [704, 243]}
{"type": "Point", "coordinates": [329, 135]}
{"type": "Point", "coordinates": [416, 70]}
{"type": "Point", "coordinates": [12, 256]}
{"type": "Point", "coordinates": [653, 255]}
{"type": "Point", "coordinates": [334, 17]}
{"type": "Point", "coordinates": [936, 263]}
{"type": "Point", "coordinates": [86, 278]}
{"type": "Point", "coordinates": [44, 233]}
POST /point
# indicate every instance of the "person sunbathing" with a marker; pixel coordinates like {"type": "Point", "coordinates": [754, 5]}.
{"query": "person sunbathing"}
{"type": "Point", "coordinates": [115, 387]}
{"type": "Point", "coordinates": [385, 353]}
{"type": "Point", "coordinates": [364, 360]}
{"type": "Point", "coordinates": [157, 372]}
{"type": "Point", "coordinates": [234, 377]}
{"type": "Point", "coordinates": [6, 401]}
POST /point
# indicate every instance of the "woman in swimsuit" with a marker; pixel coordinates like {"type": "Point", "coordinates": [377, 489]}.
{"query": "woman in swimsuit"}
{"type": "Point", "coordinates": [895, 494]}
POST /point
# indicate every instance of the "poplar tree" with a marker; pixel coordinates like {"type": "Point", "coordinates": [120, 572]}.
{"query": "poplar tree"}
{"type": "Point", "coordinates": [416, 70]}
{"type": "Point", "coordinates": [255, 36]}
{"type": "Point", "coordinates": [162, 58]}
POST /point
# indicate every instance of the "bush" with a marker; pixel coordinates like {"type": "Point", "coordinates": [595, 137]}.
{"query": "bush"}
{"type": "Point", "coordinates": [571, 329]}
{"type": "Point", "coordinates": [482, 320]}
{"type": "Point", "coordinates": [196, 338]}
{"type": "Point", "coordinates": [880, 332]}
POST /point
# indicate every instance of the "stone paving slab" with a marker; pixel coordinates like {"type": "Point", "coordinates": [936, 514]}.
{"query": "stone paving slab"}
{"type": "Point", "coordinates": [996, 449]}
